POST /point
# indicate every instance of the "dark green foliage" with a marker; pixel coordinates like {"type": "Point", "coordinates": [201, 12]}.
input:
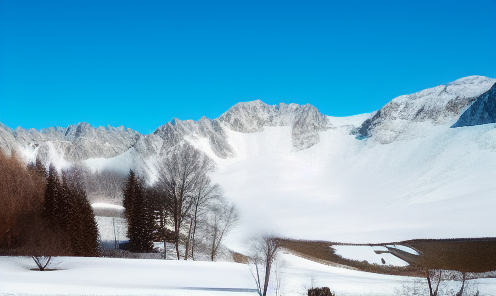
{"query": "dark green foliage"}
{"type": "Point", "coordinates": [82, 228]}
{"type": "Point", "coordinates": [51, 205]}
{"type": "Point", "coordinates": [68, 212]}
{"type": "Point", "coordinates": [38, 168]}
{"type": "Point", "coordinates": [324, 291]}
{"type": "Point", "coordinates": [139, 215]}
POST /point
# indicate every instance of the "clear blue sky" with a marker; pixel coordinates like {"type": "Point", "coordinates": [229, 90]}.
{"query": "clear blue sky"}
{"type": "Point", "coordinates": [138, 63]}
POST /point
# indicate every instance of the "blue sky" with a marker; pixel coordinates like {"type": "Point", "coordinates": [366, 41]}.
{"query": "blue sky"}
{"type": "Point", "coordinates": [139, 63]}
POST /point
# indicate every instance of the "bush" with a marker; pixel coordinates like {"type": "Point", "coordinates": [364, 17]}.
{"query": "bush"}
{"type": "Point", "coordinates": [324, 291]}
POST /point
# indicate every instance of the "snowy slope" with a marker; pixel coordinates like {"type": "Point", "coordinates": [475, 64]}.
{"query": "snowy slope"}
{"type": "Point", "coordinates": [291, 276]}
{"type": "Point", "coordinates": [404, 117]}
{"type": "Point", "coordinates": [367, 253]}
{"type": "Point", "coordinates": [342, 189]}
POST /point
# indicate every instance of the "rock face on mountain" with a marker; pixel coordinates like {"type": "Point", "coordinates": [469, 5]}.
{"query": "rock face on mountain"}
{"type": "Point", "coordinates": [404, 117]}
{"type": "Point", "coordinates": [482, 111]}
{"type": "Point", "coordinates": [7, 139]}
{"type": "Point", "coordinates": [439, 105]}
{"type": "Point", "coordinates": [75, 142]}
{"type": "Point", "coordinates": [172, 133]}
{"type": "Point", "coordinates": [306, 121]}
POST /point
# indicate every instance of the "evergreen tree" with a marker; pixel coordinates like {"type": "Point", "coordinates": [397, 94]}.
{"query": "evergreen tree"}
{"type": "Point", "coordinates": [84, 229]}
{"type": "Point", "coordinates": [139, 215]}
{"type": "Point", "coordinates": [38, 168]}
{"type": "Point", "coordinates": [51, 205]}
{"type": "Point", "coordinates": [68, 212]}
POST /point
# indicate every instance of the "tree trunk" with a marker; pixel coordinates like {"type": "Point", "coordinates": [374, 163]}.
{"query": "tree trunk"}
{"type": "Point", "coordinates": [267, 276]}
{"type": "Point", "coordinates": [188, 240]}
{"type": "Point", "coordinates": [193, 235]}
{"type": "Point", "coordinates": [438, 282]}
{"type": "Point", "coordinates": [460, 293]}
{"type": "Point", "coordinates": [165, 248]}
{"type": "Point", "coordinates": [176, 239]}
{"type": "Point", "coordinates": [212, 253]}
{"type": "Point", "coordinates": [429, 282]}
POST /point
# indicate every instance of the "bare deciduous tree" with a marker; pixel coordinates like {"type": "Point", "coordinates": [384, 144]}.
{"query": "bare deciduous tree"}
{"type": "Point", "coordinates": [264, 251]}
{"type": "Point", "coordinates": [206, 192]}
{"type": "Point", "coordinates": [224, 218]}
{"type": "Point", "coordinates": [178, 178]}
{"type": "Point", "coordinates": [431, 275]}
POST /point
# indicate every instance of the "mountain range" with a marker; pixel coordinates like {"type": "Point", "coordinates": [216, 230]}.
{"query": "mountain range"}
{"type": "Point", "coordinates": [422, 166]}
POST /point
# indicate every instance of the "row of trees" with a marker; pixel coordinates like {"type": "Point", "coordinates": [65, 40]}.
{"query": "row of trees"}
{"type": "Point", "coordinates": [67, 211]}
{"type": "Point", "coordinates": [43, 214]}
{"type": "Point", "coordinates": [182, 202]}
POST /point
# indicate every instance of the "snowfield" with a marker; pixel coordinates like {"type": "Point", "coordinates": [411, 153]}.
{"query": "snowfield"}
{"type": "Point", "coordinates": [105, 276]}
{"type": "Point", "coordinates": [291, 276]}
{"type": "Point", "coordinates": [437, 184]}
{"type": "Point", "coordinates": [366, 253]}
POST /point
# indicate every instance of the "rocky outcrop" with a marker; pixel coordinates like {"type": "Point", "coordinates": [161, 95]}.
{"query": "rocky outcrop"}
{"type": "Point", "coordinates": [175, 131]}
{"type": "Point", "coordinates": [482, 111]}
{"type": "Point", "coordinates": [73, 143]}
{"type": "Point", "coordinates": [8, 142]}
{"type": "Point", "coordinates": [439, 105]}
{"type": "Point", "coordinates": [305, 120]}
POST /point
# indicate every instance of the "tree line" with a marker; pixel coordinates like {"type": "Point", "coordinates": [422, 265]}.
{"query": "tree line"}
{"type": "Point", "coordinates": [182, 206]}
{"type": "Point", "coordinates": [44, 213]}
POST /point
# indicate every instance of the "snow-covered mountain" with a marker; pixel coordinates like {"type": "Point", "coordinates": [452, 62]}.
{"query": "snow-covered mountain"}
{"type": "Point", "coordinates": [73, 143]}
{"type": "Point", "coordinates": [441, 105]}
{"type": "Point", "coordinates": [420, 167]}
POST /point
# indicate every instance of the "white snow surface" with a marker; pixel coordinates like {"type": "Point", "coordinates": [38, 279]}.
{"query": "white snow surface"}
{"type": "Point", "coordinates": [101, 205]}
{"type": "Point", "coordinates": [438, 185]}
{"type": "Point", "coordinates": [106, 276]}
{"type": "Point", "coordinates": [404, 249]}
{"type": "Point", "coordinates": [298, 274]}
{"type": "Point", "coordinates": [367, 253]}
{"type": "Point", "coordinates": [354, 120]}
{"type": "Point", "coordinates": [121, 163]}
{"type": "Point", "coordinates": [110, 276]}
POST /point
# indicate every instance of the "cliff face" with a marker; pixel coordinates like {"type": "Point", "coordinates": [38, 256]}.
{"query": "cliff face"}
{"type": "Point", "coordinates": [482, 111]}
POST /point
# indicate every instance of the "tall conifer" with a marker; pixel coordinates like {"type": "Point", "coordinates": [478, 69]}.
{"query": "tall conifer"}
{"type": "Point", "coordinates": [139, 215]}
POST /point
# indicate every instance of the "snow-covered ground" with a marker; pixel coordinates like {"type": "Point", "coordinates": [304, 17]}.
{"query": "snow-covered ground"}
{"type": "Point", "coordinates": [366, 253]}
{"type": "Point", "coordinates": [438, 183]}
{"type": "Point", "coordinates": [298, 274]}
{"type": "Point", "coordinates": [106, 276]}
{"type": "Point", "coordinates": [291, 276]}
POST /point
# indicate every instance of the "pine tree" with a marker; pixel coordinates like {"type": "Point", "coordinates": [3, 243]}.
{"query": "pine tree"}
{"type": "Point", "coordinates": [84, 238]}
{"type": "Point", "coordinates": [139, 215]}
{"type": "Point", "coordinates": [51, 205]}
{"type": "Point", "coordinates": [68, 212]}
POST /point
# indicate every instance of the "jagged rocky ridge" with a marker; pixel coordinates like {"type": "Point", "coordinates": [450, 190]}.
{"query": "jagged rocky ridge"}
{"type": "Point", "coordinates": [404, 115]}
{"type": "Point", "coordinates": [473, 97]}
{"type": "Point", "coordinates": [306, 121]}
{"type": "Point", "coordinates": [73, 143]}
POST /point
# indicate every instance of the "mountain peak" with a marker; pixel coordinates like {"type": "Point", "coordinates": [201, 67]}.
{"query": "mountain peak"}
{"type": "Point", "coordinates": [440, 105]}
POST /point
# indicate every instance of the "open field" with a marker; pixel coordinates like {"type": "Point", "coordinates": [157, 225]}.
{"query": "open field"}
{"type": "Point", "coordinates": [292, 275]}
{"type": "Point", "coordinates": [470, 255]}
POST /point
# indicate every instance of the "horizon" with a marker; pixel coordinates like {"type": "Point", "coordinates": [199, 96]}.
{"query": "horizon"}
{"type": "Point", "coordinates": [138, 64]}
